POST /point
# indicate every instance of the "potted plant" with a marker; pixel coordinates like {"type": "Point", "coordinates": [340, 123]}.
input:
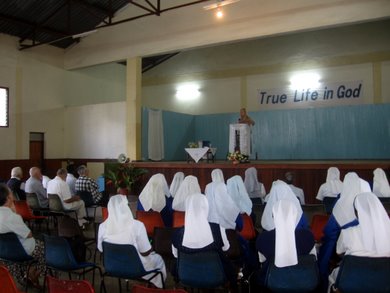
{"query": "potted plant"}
{"type": "Point", "coordinates": [122, 176]}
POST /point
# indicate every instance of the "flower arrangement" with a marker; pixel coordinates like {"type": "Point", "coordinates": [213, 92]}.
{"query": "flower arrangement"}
{"type": "Point", "coordinates": [237, 156]}
{"type": "Point", "coordinates": [192, 144]}
{"type": "Point", "coordinates": [122, 175]}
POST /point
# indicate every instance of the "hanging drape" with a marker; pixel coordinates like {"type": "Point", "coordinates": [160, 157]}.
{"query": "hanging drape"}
{"type": "Point", "coordinates": [155, 135]}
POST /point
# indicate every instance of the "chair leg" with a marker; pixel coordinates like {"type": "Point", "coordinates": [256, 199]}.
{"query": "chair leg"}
{"type": "Point", "coordinates": [103, 285]}
{"type": "Point", "coordinates": [120, 285]}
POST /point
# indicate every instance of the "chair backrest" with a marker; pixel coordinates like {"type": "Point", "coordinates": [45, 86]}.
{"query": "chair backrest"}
{"type": "Point", "coordinates": [234, 251]}
{"type": "Point", "coordinates": [178, 219]}
{"type": "Point", "coordinates": [151, 220]}
{"type": "Point", "coordinates": [32, 201]}
{"type": "Point", "coordinates": [329, 203]}
{"type": "Point", "coordinates": [309, 210]}
{"type": "Point", "coordinates": [201, 269]}
{"type": "Point", "coordinates": [248, 231]}
{"type": "Point", "coordinates": [55, 203]}
{"type": "Point", "coordinates": [364, 274]}
{"type": "Point", "coordinates": [11, 249]}
{"type": "Point", "coordinates": [86, 196]}
{"type": "Point", "coordinates": [303, 277]}
{"type": "Point", "coordinates": [58, 254]}
{"type": "Point", "coordinates": [162, 241]}
{"type": "Point", "coordinates": [23, 209]}
{"type": "Point", "coordinates": [68, 286]}
{"type": "Point", "coordinates": [122, 261]}
{"type": "Point", "coordinates": [104, 213]}
{"type": "Point", "coordinates": [317, 225]}
{"type": "Point", "coordinates": [69, 227]}
{"type": "Point", "coordinates": [142, 289]}
{"type": "Point", "coordinates": [7, 282]}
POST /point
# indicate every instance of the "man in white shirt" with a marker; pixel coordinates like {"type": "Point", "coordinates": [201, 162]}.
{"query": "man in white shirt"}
{"type": "Point", "coordinates": [58, 186]}
{"type": "Point", "coordinates": [297, 191]}
{"type": "Point", "coordinates": [71, 179]}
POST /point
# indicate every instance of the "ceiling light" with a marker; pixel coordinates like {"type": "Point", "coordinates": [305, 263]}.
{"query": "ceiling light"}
{"type": "Point", "coordinates": [305, 81]}
{"type": "Point", "coordinates": [188, 92]}
{"type": "Point", "coordinates": [219, 13]}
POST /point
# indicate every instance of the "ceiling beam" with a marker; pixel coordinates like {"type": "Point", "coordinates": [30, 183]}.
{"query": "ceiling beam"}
{"type": "Point", "coordinates": [143, 7]}
{"type": "Point", "coordinates": [183, 5]}
{"type": "Point", "coordinates": [98, 12]}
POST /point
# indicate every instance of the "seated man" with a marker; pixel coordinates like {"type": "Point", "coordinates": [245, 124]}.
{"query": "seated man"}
{"type": "Point", "coordinates": [297, 191]}
{"type": "Point", "coordinates": [34, 185]}
{"type": "Point", "coordinates": [86, 184]}
{"type": "Point", "coordinates": [58, 186]}
{"type": "Point", "coordinates": [70, 178]}
{"type": "Point", "coordinates": [16, 184]}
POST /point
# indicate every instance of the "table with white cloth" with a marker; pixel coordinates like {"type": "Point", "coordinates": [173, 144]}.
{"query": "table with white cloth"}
{"type": "Point", "coordinates": [200, 153]}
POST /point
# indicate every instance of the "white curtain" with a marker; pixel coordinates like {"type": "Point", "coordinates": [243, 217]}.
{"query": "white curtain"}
{"type": "Point", "coordinates": [155, 135]}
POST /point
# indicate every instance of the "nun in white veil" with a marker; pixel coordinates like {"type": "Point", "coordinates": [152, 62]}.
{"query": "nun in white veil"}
{"type": "Point", "coordinates": [175, 184]}
{"type": "Point", "coordinates": [332, 186]}
{"type": "Point", "coordinates": [381, 185]}
{"type": "Point", "coordinates": [217, 176]}
{"type": "Point", "coordinates": [121, 228]}
{"type": "Point", "coordinates": [155, 197]}
{"type": "Point", "coordinates": [222, 209]}
{"type": "Point", "coordinates": [253, 186]}
{"type": "Point", "coordinates": [286, 241]}
{"type": "Point", "coordinates": [189, 186]}
{"type": "Point", "coordinates": [371, 237]}
{"type": "Point", "coordinates": [280, 191]}
{"type": "Point", "coordinates": [237, 191]}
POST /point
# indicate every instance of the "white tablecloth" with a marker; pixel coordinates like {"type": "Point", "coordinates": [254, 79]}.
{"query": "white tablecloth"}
{"type": "Point", "coordinates": [196, 153]}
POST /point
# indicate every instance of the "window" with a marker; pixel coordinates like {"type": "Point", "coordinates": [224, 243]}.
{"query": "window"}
{"type": "Point", "coordinates": [3, 107]}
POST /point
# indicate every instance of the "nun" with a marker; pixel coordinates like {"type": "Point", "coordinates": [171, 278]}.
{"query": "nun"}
{"type": "Point", "coordinates": [199, 235]}
{"type": "Point", "coordinates": [342, 217]}
{"type": "Point", "coordinates": [254, 188]}
{"type": "Point", "coordinates": [156, 197]}
{"type": "Point", "coordinates": [371, 237]}
{"type": "Point", "coordinates": [381, 185]}
{"type": "Point", "coordinates": [189, 186]}
{"type": "Point", "coordinates": [237, 192]}
{"type": "Point", "coordinates": [332, 186]}
{"type": "Point", "coordinates": [286, 241]}
{"type": "Point", "coordinates": [217, 176]}
{"type": "Point", "coordinates": [121, 228]}
{"type": "Point", "coordinates": [176, 181]}
{"type": "Point", "coordinates": [281, 191]}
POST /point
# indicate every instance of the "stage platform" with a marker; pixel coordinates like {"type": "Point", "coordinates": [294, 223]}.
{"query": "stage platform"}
{"type": "Point", "coordinates": [309, 175]}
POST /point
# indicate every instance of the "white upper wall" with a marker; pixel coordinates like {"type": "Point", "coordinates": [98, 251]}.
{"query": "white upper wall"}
{"type": "Point", "coordinates": [192, 27]}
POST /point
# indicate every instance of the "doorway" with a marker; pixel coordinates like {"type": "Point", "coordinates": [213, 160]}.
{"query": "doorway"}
{"type": "Point", "coordinates": [37, 149]}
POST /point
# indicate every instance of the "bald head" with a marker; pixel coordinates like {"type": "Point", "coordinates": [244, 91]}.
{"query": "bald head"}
{"type": "Point", "coordinates": [36, 173]}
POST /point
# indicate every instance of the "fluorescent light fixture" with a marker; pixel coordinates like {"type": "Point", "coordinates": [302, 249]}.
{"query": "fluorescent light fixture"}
{"type": "Point", "coordinates": [305, 80]}
{"type": "Point", "coordinates": [84, 34]}
{"type": "Point", "coordinates": [219, 13]}
{"type": "Point", "coordinates": [187, 92]}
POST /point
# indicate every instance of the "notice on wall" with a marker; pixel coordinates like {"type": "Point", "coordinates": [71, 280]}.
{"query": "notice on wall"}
{"type": "Point", "coordinates": [350, 92]}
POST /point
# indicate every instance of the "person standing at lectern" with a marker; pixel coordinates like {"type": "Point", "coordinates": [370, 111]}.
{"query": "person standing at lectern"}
{"type": "Point", "coordinates": [244, 118]}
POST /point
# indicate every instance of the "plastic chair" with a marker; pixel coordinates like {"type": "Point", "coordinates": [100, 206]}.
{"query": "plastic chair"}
{"type": "Point", "coordinates": [68, 286]}
{"type": "Point", "coordinates": [122, 261]}
{"type": "Point", "coordinates": [248, 231]}
{"type": "Point", "coordinates": [364, 274]}
{"type": "Point", "coordinates": [104, 213]}
{"type": "Point", "coordinates": [162, 243]}
{"type": "Point", "coordinates": [55, 206]}
{"type": "Point", "coordinates": [234, 252]}
{"type": "Point", "coordinates": [86, 196]}
{"type": "Point", "coordinates": [303, 277]}
{"type": "Point", "coordinates": [178, 219]}
{"type": "Point", "coordinates": [33, 203]}
{"type": "Point", "coordinates": [7, 282]}
{"type": "Point", "coordinates": [142, 289]}
{"type": "Point", "coordinates": [59, 257]}
{"type": "Point", "coordinates": [151, 220]}
{"type": "Point", "coordinates": [317, 225]}
{"type": "Point", "coordinates": [24, 211]}
{"type": "Point", "coordinates": [12, 251]}
{"type": "Point", "coordinates": [203, 270]}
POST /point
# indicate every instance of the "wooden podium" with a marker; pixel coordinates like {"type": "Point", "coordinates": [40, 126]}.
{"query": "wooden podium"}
{"type": "Point", "coordinates": [240, 138]}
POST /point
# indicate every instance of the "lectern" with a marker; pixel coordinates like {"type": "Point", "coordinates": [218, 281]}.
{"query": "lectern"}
{"type": "Point", "coordinates": [240, 138]}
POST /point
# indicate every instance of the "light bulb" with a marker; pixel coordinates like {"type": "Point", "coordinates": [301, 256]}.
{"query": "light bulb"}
{"type": "Point", "coordinates": [219, 13]}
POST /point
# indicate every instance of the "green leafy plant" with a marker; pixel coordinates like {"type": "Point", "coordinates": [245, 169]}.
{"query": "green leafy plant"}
{"type": "Point", "coordinates": [237, 156]}
{"type": "Point", "coordinates": [122, 175]}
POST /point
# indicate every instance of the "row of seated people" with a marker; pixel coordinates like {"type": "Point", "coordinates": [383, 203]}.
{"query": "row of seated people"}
{"type": "Point", "coordinates": [75, 194]}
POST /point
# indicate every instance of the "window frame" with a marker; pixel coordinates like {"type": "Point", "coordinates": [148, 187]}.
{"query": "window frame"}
{"type": "Point", "coordinates": [7, 107]}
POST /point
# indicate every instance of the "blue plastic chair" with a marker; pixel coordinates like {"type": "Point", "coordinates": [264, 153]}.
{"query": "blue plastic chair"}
{"type": "Point", "coordinates": [201, 270]}
{"type": "Point", "coordinates": [123, 262]}
{"type": "Point", "coordinates": [12, 251]}
{"type": "Point", "coordinates": [303, 277]}
{"type": "Point", "coordinates": [59, 257]}
{"type": "Point", "coordinates": [364, 274]}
